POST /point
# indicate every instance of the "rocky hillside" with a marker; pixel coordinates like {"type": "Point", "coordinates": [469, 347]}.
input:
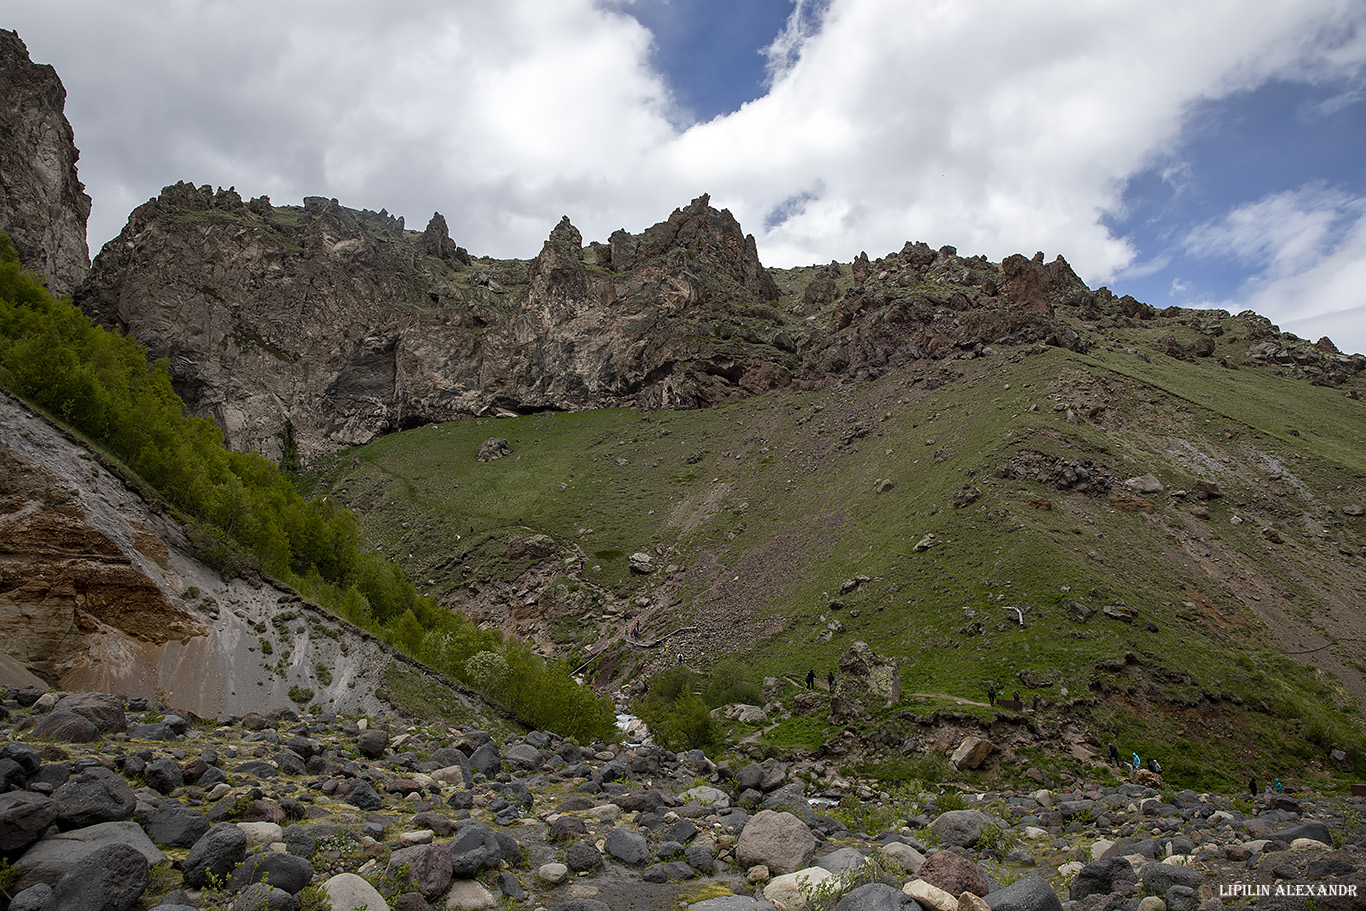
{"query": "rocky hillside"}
{"type": "Point", "coordinates": [43, 206]}
{"type": "Point", "coordinates": [100, 588]}
{"type": "Point", "coordinates": [323, 327]}
{"type": "Point", "coordinates": [147, 808]}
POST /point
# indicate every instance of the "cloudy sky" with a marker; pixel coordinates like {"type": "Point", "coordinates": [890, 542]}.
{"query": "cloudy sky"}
{"type": "Point", "coordinates": [1208, 153]}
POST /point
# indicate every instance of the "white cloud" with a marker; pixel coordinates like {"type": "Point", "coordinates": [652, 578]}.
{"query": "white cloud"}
{"type": "Point", "coordinates": [1305, 250]}
{"type": "Point", "coordinates": [996, 127]}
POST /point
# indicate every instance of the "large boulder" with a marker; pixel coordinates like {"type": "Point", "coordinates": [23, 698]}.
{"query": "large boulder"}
{"type": "Point", "coordinates": [24, 817]}
{"type": "Point", "coordinates": [222, 848]}
{"type": "Point", "coordinates": [94, 796]}
{"type": "Point", "coordinates": [349, 892]}
{"type": "Point", "coordinates": [1033, 893]}
{"type": "Point", "coordinates": [174, 825]}
{"type": "Point", "coordinates": [426, 868]}
{"type": "Point", "coordinates": [961, 828]}
{"type": "Point", "coordinates": [877, 897]}
{"type": "Point", "coordinates": [971, 753]}
{"type": "Point", "coordinates": [788, 892]}
{"type": "Point", "coordinates": [1100, 876]}
{"type": "Point", "coordinates": [628, 847]}
{"type": "Point", "coordinates": [66, 727]}
{"type": "Point", "coordinates": [100, 709]}
{"type": "Point", "coordinates": [280, 871]}
{"type": "Point", "coordinates": [953, 873]}
{"type": "Point", "coordinates": [1157, 878]}
{"type": "Point", "coordinates": [110, 878]}
{"type": "Point", "coordinates": [779, 841]}
{"type": "Point", "coordinates": [51, 857]}
{"type": "Point", "coordinates": [473, 849]}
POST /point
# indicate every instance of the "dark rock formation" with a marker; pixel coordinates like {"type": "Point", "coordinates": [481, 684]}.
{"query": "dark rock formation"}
{"type": "Point", "coordinates": [43, 206]}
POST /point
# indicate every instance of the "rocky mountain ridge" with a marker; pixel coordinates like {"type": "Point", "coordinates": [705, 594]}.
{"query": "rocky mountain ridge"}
{"type": "Point", "coordinates": [323, 327]}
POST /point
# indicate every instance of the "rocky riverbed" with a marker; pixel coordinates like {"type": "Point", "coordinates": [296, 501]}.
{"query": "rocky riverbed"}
{"type": "Point", "coordinates": [114, 804]}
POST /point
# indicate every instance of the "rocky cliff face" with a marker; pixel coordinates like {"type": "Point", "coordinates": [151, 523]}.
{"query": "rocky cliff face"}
{"type": "Point", "coordinates": [329, 326]}
{"type": "Point", "coordinates": [43, 206]}
{"type": "Point", "coordinates": [322, 327]}
{"type": "Point", "coordinates": [99, 589]}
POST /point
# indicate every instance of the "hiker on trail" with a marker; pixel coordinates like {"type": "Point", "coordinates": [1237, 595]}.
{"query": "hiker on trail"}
{"type": "Point", "coordinates": [1280, 788]}
{"type": "Point", "coordinates": [1138, 763]}
{"type": "Point", "coordinates": [830, 679]}
{"type": "Point", "coordinates": [991, 693]}
{"type": "Point", "coordinates": [1017, 695]}
{"type": "Point", "coordinates": [810, 679]}
{"type": "Point", "coordinates": [1114, 755]}
{"type": "Point", "coordinates": [680, 659]}
{"type": "Point", "coordinates": [1155, 766]}
{"type": "Point", "coordinates": [1252, 786]}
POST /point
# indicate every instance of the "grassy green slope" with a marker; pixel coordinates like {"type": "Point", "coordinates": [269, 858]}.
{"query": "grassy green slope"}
{"type": "Point", "coordinates": [770, 504]}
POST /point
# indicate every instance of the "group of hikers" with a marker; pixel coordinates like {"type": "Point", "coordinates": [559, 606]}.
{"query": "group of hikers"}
{"type": "Point", "coordinates": [991, 694]}
{"type": "Point", "coordinates": [811, 680]}
{"type": "Point", "coordinates": [1153, 765]}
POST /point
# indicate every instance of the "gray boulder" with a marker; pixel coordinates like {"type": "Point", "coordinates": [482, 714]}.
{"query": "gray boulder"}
{"type": "Point", "coordinates": [174, 825]}
{"type": "Point", "coordinates": [100, 709]}
{"type": "Point", "coordinates": [261, 897]}
{"type": "Point", "coordinates": [110, 878]}
{"type": "Point", "coordinates": [222, 848]}
{"type": "Point", "coordinates": [163, 775]}
{"type": "Point", "coordinates": [960, 827]}
{"type": "Point", "coordinates": [363, 796]}
{"type": "Point", "coordinates": [1157, 878]}
{"type": "Point", "coordinates": [280, 871]}
{"type": "Point", "coordinates": [486, 759]}
{"type": "Point", "coordinates": [1315, 830]}
{"type": "Point", "coordinates": [583, 856]}
{"type": "Point", "coordinates": [842, 859]}
{"type": "Point", "coordinates": [523, 757]}
{"type": "Point", "coordinates": [372, 744]}
{"type": "Point", "coordinates": [701, 855]}
{"type": "Point", "coordinates": [94, 796]}
{"type": "Point", "coordinates": [1099, 877]}
{"type": "Point", "coordinates": [34, 898]}
{"type": "Point", "coordinates": [1033, 893]}
{"type": "Point", "coordinates": [628, 847]}
{"type": "Point", "coordinates": [24, 817]}
{"type": "Point", "coordinates": [426, 868]}
{"type": "Point", "coordinates": [51, 857]}
{"type": "Point", "coordinates": [473, 849]}
{"type": "Point", "coordinates": [780, 841]}
{"type": "Point", "coordinates": [66, 727]}
{"type": "Point", "coordinates": [877, 897]}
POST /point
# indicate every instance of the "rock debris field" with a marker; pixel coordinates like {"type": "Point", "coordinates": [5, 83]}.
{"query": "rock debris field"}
{"type": "Point", "coordinates": [112, 804]}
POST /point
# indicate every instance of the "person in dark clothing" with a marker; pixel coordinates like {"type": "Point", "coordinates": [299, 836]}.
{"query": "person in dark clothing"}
{"type": "Point", "coordinates": [1017, 695]}
{"type": "Point", "coordinates": [810, 679]}
{"type": "Point", "coordinates": [1114, 755]}
{"type": "Point", "coordinates": [1252, 786]}
{"type": "Point", "coordinates": [830, 679]}
{"type": "Point", "coordinates": [991, 693]}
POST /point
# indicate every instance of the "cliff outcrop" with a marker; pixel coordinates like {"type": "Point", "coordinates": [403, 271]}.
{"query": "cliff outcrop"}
{"type": "Point", "coordinates": [329, 327]}
{"type": "Point", "coordinates": [43, 206]}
